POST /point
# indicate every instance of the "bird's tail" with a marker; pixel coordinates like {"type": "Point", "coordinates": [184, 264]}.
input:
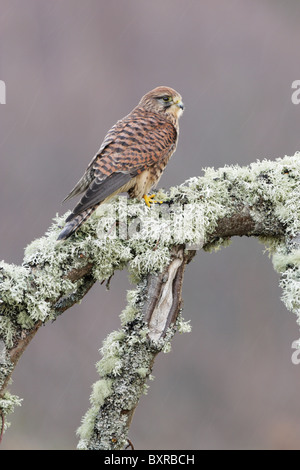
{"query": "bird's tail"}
{"type": "Point", "coordinates": [73, 222]}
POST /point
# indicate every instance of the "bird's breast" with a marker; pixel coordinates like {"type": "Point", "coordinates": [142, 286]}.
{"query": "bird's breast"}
{"type": "Point", "coordinates": [148, 179]}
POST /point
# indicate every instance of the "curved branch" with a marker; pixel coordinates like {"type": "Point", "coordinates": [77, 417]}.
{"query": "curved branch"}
{"type": "Point", "coordinates": [260, 200]}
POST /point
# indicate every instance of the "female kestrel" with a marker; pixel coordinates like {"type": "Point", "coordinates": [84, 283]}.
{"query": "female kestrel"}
{"type": "Point", "coordinates": [132, 156]}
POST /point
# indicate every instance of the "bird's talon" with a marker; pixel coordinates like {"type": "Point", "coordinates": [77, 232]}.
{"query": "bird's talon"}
{"type": "Point", "coordinates": [150, 200]}
{"type": "Point", "coordinates": [121, 166]}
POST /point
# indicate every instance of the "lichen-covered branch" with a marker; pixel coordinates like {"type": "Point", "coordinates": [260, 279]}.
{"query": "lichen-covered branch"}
{"type": "Point", "coordinates": [148, 324]}
{"type": "Point", "coordinates": [260, 200]}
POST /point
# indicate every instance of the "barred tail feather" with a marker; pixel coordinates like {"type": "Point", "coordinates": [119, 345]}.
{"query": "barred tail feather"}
{"type": "Point", "coordinates": [74, 222]}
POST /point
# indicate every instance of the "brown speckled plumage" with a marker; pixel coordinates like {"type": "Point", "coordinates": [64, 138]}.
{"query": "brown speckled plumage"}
{"type": "Point", "coordinates": [132, 157]}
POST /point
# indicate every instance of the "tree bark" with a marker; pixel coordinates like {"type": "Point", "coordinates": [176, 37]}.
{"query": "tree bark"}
{"type": "Point", "coordinates": [259, 201]}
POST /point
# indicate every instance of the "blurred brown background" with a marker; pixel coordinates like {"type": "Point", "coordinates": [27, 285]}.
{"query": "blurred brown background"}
{"type": "Point", "coordinates": [72, 68]}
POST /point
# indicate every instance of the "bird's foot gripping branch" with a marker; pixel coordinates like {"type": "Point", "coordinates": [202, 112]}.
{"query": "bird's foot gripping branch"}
{"type": "Point", "coordinates": [261, 200]}
{"type": "Point", "coordinates": [132, 156]}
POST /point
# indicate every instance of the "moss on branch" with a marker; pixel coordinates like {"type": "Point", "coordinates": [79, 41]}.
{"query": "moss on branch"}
{"type": "Point", "coordinates": [260, 200]}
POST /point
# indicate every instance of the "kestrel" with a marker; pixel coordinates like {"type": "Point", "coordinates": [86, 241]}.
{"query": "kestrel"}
{"type": "Point", "coordinates": [132, 157]}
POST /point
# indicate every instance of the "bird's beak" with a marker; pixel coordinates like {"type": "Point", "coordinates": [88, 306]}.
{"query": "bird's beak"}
{"type": "Point", "coordinates": [180, 104]}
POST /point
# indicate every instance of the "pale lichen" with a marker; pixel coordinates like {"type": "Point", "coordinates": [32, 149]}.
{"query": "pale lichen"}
{"type": "Point", "coordinates": [125, 233]}
{"type": "Point", "coordinates": [126, 362]}
{"type": "Point", "coordinates": [183, 326]}
{"type": "Point", "coordinates": [197, 206]}
{"type": "Point", "coordinates": [127, 357]}
{"type": "Point", "coordinates": [8, 402]}
{"type": "Point", "coordinates": [100, 391]}
{"type": "Point", "coordinates": [287, 262]}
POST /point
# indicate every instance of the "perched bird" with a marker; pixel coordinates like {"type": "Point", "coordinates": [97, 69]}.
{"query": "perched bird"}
{"type": "Point", "coordinates": [132, 156]}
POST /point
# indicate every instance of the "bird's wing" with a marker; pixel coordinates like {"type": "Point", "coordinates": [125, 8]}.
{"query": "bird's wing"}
{"type": "Point", "coordinates": [80, 187]}
{"type": "Point", "coordinates": [138, 145]}
{"type": "Point", "coordinates": [88, 176]}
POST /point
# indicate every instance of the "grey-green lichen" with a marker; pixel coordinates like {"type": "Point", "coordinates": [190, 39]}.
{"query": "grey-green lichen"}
{"type": "Point", "coordinates": [265, 185]}
{"type": "Point", "coordinates": [8, 402]}
{"type": "Point", "coordinates": [183, 326]}
{"type": "Point", "coordinates": [100, 391]}
{"type": "Point", "coordinates": [127, 357]}
{"type": "Point", "coordinates": [272, 185]}
{"type": "Point", "coordinates": [287, 263]}
{"type": "Point", "coordinates": [126, 362]}
{"type": "Point", "coordinates": [125, 233]}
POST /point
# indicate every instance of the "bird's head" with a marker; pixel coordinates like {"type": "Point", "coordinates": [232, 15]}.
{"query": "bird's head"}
{"type": "Point", "coordinates": [163, 100]}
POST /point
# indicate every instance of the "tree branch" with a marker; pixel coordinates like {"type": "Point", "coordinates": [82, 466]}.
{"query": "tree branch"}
{"type": "Point", "coordinates": [260, 200]}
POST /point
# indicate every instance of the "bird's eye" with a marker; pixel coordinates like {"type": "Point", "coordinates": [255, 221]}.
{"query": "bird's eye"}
{"type": "Point", "coordinates": [166, 98]}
